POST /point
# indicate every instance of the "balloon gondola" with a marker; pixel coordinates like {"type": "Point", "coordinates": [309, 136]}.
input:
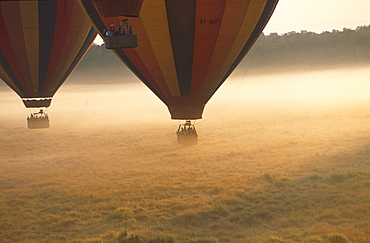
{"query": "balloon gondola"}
{"type": "Point", "coordinates": [115, 28]}
{"type": "Point", "coordinates": [120, 36]}
{"type": "Point", "coordinates": [41, 42]}
{"type": "Point", "coordinates": [187, 48]}
{"type": "Point", "coordinates": [38, 120]}
{"type": "Point", "coordinates": [187, 134]}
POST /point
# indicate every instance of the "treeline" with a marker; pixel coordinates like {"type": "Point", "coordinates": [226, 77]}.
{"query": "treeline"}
{"type": "Point", "coordinates": [309, 49]}
{"type": "Point", "coordinates": [271, 52]}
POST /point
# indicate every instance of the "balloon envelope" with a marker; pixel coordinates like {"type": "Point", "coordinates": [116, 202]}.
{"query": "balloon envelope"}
{"type": "Point", "coordinates": [188, 48]}
{"type": "Point", "coordinates": [41, 42]}
{"type": "Point", "coordinates": [114, 8]}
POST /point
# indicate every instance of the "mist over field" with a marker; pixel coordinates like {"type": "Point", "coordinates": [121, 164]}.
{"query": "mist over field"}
{"type": "Point", "coordinates": [281, 156]}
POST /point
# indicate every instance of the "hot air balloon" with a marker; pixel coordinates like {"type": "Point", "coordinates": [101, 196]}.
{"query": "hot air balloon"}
{"type": "Point", "coordinates": [41, 42]}
{"type": "Point", "coordinates": [187, 48]}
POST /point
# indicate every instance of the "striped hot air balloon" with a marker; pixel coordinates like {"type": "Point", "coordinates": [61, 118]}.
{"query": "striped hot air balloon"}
{"type": "Point", "coordinates": [41, 42]}
{"type": "Point", "coordinates": [186, 48]}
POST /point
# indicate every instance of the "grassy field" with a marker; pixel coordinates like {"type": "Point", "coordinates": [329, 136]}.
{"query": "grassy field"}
{"type": "Point", "coordinates": [272, 165]}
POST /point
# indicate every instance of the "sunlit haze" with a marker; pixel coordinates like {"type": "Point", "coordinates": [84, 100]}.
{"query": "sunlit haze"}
{"type": "Point", "coordinates": [318, 15]}
{"type": "Point", "coordinates": [315, 15]}
{"type": "Point", "coordinates": [283, 149]}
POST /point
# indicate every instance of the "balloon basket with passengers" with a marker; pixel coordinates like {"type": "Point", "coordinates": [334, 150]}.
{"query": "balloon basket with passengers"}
{"type": "Point", "coordinates": [120, 36]}
{"type": "Point", "coordinates": [118, 33]}
{"type": "Point", "coordinates": [186, 134]}
{"type": "Point", "coordinates": [37, 119]}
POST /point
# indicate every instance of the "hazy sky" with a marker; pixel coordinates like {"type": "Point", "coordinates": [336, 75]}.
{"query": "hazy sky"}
{"type": "Point", "coordinates": [318, 15]}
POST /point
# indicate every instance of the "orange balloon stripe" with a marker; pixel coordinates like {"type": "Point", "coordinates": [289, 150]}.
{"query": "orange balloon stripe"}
{"type": "Point", "coordinates": [207, 25]}
{"type": "Point", "coordinates": [249, 25]}
{"type": "Point", "coordinates": [14, 50]}
{"type": "Point", "coordinates": [62, 25]}
{"type": "Point", "coordinates": [18, 39]}
{"type": "Point", "coordinates": [265, 15]}
{"type": "Point", "coordinates": [148, 60]}
{"type": "Point", "coordinates": [152, 81]}
{"type": "Point", "coordinates": [29, 17]}
{"type": "Point", "coordinates": [232, 22]}
{"type": "Point", "coordinates": [154, 18]}
{"type": "Point", "coordinates": [77, 33]}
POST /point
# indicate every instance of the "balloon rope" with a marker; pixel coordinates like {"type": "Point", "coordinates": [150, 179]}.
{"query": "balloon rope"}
{"type": "Point", "coordinates": [237, 88]}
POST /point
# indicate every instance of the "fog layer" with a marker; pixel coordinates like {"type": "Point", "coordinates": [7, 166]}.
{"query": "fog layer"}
{"type": "Point", "coordinates": [109, 141]}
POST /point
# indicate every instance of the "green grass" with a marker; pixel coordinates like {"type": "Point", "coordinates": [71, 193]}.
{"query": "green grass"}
{"type": "Point", "coordinates": [331, 207]}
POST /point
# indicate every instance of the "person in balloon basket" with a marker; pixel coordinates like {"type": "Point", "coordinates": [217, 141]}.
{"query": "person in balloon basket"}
{"type": "Point", "coordinates": [124, 29]}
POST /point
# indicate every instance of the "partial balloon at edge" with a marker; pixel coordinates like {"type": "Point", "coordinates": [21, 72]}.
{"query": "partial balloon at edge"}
{"type": "Point", "coordinates": [41, 43]}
